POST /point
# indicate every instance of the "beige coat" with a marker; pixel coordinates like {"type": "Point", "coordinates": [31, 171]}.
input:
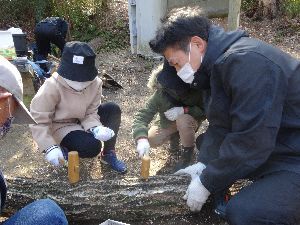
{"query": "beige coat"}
{"type": "Point", "coordinates": [58, 109]}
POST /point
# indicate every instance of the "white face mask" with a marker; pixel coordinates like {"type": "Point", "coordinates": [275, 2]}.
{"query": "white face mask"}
{"type": "Point", "coordinates": [78, 86]}
{"type": "Point", "coordinates": [186, 73]}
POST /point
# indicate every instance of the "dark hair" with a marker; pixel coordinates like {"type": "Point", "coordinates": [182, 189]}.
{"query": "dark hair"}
{"type": "Point", "coordinates": [178, 27]}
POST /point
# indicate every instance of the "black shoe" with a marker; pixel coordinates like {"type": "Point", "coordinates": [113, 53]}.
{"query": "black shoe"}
{"type": "Point", "coordinates": [221, 201]}
{"type": "Point", "coordinates": [185, 158]}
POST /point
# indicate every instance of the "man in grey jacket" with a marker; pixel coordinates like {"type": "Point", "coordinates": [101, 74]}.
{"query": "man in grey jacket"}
{"type": "Point", "coordinates": [253, 114]}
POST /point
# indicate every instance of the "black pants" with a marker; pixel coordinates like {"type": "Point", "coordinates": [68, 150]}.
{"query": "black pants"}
{"type": "Point", "coordinates": [85, 144]}
{"type": "Point", "coordinates": [44, 37]}
{"type": "Point", "coordinates": [271, 200]}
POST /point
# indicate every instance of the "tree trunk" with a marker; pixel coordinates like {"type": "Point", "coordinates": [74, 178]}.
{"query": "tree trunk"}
{"type": "Point", "coordinates": [267, 8]}
{"type": "Point", "coordinates": [88, 202]}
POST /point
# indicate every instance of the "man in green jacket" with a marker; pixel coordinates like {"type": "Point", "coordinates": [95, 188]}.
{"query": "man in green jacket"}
{"type": "Point", "coordinates": [179, 109]}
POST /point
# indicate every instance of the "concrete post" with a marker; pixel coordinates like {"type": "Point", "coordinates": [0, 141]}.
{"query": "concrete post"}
{"type": "Point", "coordinates": [234, 14]}
{"type": "Point", "coordinates": [144, 19]}
{"type": "Point", "coordinates": [145, 15]}
{"type": "Point", "coordinates": [132, 25]}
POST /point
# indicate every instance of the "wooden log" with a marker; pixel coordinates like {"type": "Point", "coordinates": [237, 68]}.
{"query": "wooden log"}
{"type": "Point", "coordinates": [127, 199]}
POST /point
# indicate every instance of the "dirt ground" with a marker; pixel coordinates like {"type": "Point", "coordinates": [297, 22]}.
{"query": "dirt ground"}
{"type": "Point", "coordinates": [19, 155]}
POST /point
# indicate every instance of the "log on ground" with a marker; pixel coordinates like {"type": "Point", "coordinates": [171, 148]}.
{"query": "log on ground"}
{"type": "Point", "coordinates": [127, 199]}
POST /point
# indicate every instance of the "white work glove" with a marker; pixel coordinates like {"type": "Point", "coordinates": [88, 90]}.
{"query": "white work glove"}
{"type": "Point", "coordinates": [143, 147]}
{"type": "Point", "coordinates": [173, 113]}
{"type": "Point", "coordinates": [54, 155]}
{"type": "Point", "coordinates": [102, 133]}
{"type": "Point", "coordinates": [194, 170]}
{"type": "Point", "coordinates": [196, 195]}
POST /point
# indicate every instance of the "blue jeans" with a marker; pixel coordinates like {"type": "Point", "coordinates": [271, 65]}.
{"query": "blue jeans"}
{"type": "Point", "coordinates": [40, 212]}
{"type": "Point", "coordinates": [273, 199]}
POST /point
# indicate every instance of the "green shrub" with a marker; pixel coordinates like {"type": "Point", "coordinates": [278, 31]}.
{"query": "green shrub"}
{"type": "Point", "coordinates": [88, 18]}
{"type": "Point", "coordinates": [291, 8]}
{"type": "Point", "coordinates": [16, 12]}
{"type": "Point", "coordinates": [249, 7]}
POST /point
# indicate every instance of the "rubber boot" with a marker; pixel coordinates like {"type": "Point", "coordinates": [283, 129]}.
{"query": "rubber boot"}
{"type": "Point", "coordinates": [174, 143]}
{"type": "Point", "coordinates": [185, 158]}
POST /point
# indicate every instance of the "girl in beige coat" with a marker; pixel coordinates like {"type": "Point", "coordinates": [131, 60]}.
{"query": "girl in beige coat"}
{"type": "Point", "coordinates": [69, 112]}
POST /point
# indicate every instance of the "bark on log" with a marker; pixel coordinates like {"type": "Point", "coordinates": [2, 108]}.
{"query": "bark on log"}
{"type": "Point", "coordinates": [125, 199]}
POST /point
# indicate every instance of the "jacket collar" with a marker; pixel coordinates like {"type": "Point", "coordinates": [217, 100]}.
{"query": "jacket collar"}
{"type": "Point", "coordinates": [60, 80]}
{"type": "Point", "coordinates": [219, 42]}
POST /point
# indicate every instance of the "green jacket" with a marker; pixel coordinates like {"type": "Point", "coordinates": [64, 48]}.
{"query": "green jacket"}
{"type": "Point", "coordinates": [158, 103]}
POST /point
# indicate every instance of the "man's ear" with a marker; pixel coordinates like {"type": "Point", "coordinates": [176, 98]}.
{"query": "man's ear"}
{"type": "Point", "coordinates": [200, 43]}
